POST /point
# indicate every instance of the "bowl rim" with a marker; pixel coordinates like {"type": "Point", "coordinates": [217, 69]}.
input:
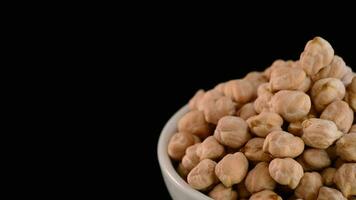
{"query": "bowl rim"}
{"type": "Point", "coordinates": [164, 161]}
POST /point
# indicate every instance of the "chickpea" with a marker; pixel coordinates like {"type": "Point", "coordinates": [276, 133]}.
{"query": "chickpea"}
{"type": "Point", "coordinates": [336, 69]}
{"type": "Point", "coordinates": [178, 144]}
{"type": "Point", "coordinates": [264, 123]}
{"type": "Point", "coordinates": [246, 111]}
{"type": "Point", "coordinates": [346, 147]}
{"type": "Point", "coordinates": [291, 105]}
{"type": "Point", "coordinates": [210, 149]}
{"type": "Point", "coordinates": [286, 171]}
{"type": "Point", "coordinates": [277, 65]}
{"type": "Point", "coordinates": [351, 94]}
{"type": "Point", "coordinates": [253, 150]}
{"type": "Point", "coordinates": [194, 122]}
{"type": "Point", "coordinates": [283, 144]}
{"type": "Point", "coordinates": [345, 179]}
{"type": "Point", "coordinates": [340, 113]}
{"type": "Point", "coordinates": [265, 195]}
{"type": "Point", "coordinates": [220, 192]}
{"type": "Point", "coordinates": [191, 159]}
{"type": "Point", "coordinates": [264, 89]}
{"type": "Point", "coordinates": [325, 91]}
{"type": "Point", "coordinates": [258, 179]}
{"type": "Point", "coordinates": [256, 79]}
{"type": "Point", "coordinates": [326, 193]}
{"type": "Point", "coordinates": [232, 169]}
{"type": "Point", "coordinates": [242, 190]}
{"type": "Point", "coordinates": [309, 186]}
{"type": "Point", "coordinates": [286, 78]}
{"type": "Point", "coordinates": [241, 91]}
{"type": "Point", "coordinates": [202, 176]}
{"type": "Point", "coordinates": [305, 85]}
{"type": "Point", "coordinates": [262, 103]}
{"type": "Point", "coordinates": [316, 158]}
{"type": "Point", "coordinates": [320, 133]}
{"type": "Point", "coordinates": [195, 101]}
{"type": "Point", "coordinates": [328, 176]}
{"type": "Point", "coordinates": [215, 106]}
{"type": "Point", "coordinates": [317, 54]}
{"type": "Point", "coordinates": [232, 131]}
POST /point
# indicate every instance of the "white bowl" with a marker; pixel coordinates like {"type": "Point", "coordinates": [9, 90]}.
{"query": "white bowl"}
{"type": "Point", "coordinates": [177, 187]}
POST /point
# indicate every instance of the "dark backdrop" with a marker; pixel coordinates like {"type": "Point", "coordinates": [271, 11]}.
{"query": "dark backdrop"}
{"type": "Point", "coordinates": [178, 59]}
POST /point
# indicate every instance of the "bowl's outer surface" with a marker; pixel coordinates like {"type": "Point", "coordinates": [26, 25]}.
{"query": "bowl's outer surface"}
{"type": "Point", "coordinates": [177, 187]}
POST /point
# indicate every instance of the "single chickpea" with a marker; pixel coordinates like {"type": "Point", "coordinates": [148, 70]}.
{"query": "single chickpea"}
{"type": "Point", "coordinates": [178, 143]}
{"type": "Point", "coordinates": [232, 169]}
{"type": "Point", "coordinates": [320, 133]}
{"type": "Point", "coordinates": [241, 91]}
{"type": "Point", "coordinates": [317, 54]}
{"type": "Point", "coordinates": [258, 179]}
{"type": "Point", "coordinates": [286, 78]}
{"type": "Point", "coordinates": [195, 101]}
{"type": "Point", "coordinates": [281, 144]}
{"type": "Point", "coordinates": [286, 171]}
{"type": "Point", "coordinates": [316, 158]}
{"type": "Point", "coordinates": [345, 179]}
{"type": "Point", "coordinates": [305, 85]}
{"type": "Point", "coordinates": [194, 122]}
{"type": "Point", "coordinates": [191, 159]}
{"type": "Point", "coordinates": [264, 123]}
{"type": "Point", "coordinates": [346, 147]}
{"type": "Point", "coordinates": [253, 150]}
{"type": "Point", "coordinates": [328, 175]}
{"type": "Point", "coordinates": [291, 105]}
{"type": "Point", "coordinates": [264, 89]}
{"type": "Point", "coordinates": [276, 65]}
{"type": "Point", "coordinates": [340, 113]}
{"type": "Point", "coordinates": [210, 149]}
{"type": "Point", "coordinates": [309, 186]}
{"type": "Point", "coordinates": [265, 195]}
{"type": "Point", "coordinates": [232, 131]}
{"type": "Point", "coordinates": [202, 176]}
{"type": "Point", "coordinates": [262, 103]}
{"type": "Point", "coordinates": [336, 69]}
{"type": "Point", "coordinates": [220, 192]}
{"type": "Point", "coordinates": [215, 106]}
{"type": "Point", "coordinates": [326, 193]}
{"type": "Point", "coordinates": [325, 91]}
{"type": "Point", "coordinates": [246, 111]}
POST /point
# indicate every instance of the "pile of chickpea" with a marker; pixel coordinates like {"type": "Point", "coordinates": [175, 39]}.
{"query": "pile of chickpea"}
{"type": "Point", "coordinates": [286, 132]}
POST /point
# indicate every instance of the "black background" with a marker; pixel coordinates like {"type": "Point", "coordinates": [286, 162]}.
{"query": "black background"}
{"type": "Point", "coordinates": [176, 58]}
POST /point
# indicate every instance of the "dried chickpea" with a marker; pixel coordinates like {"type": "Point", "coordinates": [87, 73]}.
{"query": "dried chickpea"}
{"type": "Point", "coordinates": [305, 85]}
{"type": "Point", "coordinates": [265, 195]}
{"type": "Point", "coordinates": [210, 149]}
{"type": "Point", "coordinates": [317, 54]}
{"type": "Point", "coordinates": [220, 192]}
{"type": "Point", "coordinates": [291, 105]}
{"type": "Point", "coordinates": [346, 147]}
{"type": "Point", "coordinates": [202, 176]}
{"type": "Point", "coordinates": [264, 89]}
{"type": "Point", "coordinates": [215, 106]}
{"type": "Point", "coordinates": [325, 91]}
{"type": "Point", "coordinates": [195, 101]}
{"type": "Point", "coordinates": [258, 179]}
{"type": "Point", "coordinates": [194, 122]}
{"type": "Point", "coordinates": [256, 79]}
{"type": "Point", "coordinates": [286, 171]}
{"type": "Point", "coordinates": [262, 103]}
{"type": "Point", "coordinates": [276, 65]}
{"type": "Point", "coordinates": [232, 169]}
{"type": "Point", "coordinates": [326, 193]}
{"type": "Point", "coordinates": [286, 78]}
{"type": "Point", "coordinates": [178, 143]}
{"type": "Point", "coordinates": [191, 159]}
{"type": "Point", "coordinates": [340, 113]}
{"type": "Point", "coordinates": [281, 144]}
{"type": "Point", "coordinates": [253, 150]}
{"type": "Point", "coordinates": [328, 175]}
{"type": "Point", "coordinates": [309, 186]}
{"type": "Point", "coordinates": [350, 96]}
{"type": "Point", "coordinates": [320, 133]}
{"type": "Point", "coordinates": [232, 132]}
{"type": "Point", "coordinates": [241, 91]}
{"type": "Point", "coordinates": [246, 111]}
{"type": "Point", "coordinates": [336, 69]}
{"type": "Point", "coordinates": [316, 158]}
{"type": "Point", "coordinates": [345, 179]}
{"type": "Point", "coordinates": [264, 123]}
